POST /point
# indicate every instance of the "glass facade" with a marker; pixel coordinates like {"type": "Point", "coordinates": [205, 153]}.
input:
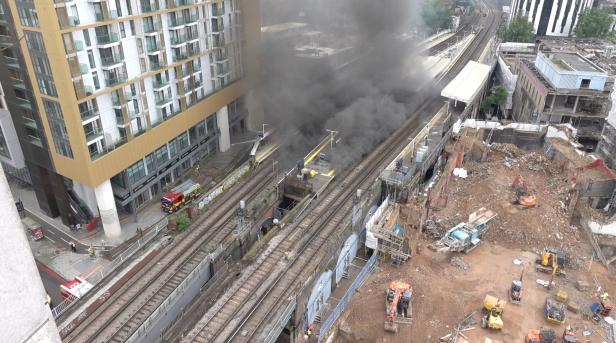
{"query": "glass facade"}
{"type": "Point", "coordinates": [58, 128]}
{"type": "Point", "coordinates": [38, 55]}
{"type": "Point", "coordinates": [27, 13]}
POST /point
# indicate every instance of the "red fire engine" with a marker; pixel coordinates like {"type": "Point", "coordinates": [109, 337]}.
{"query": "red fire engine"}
{"type": "Point", "coordinates": [75, 288]}
{"type": "Point", "coordinates": [179, 196]}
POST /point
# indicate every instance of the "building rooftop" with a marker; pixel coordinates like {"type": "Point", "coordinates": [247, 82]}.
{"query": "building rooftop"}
{"type": "Point", "coordinates": [572, 62]}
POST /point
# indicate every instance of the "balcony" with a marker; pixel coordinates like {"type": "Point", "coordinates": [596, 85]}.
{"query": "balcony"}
{"type": "Point", "coordinates": [94, 135]}
{"type": "Point", "coordinates": [29, 122]}
{"type": "Point", "coordinates": [105, 16]}
{"type": "Point", "coordinates": [114, 79]}
{"type": "Point", "coordinates": [178, 56]}
{"type": "Point", "coordinates": [23, 103]}
{"type": "Point", "coordinates": [218, 11]}
{"type": "Point", "coordinates": [192, 36]}
{"type": "Point", "coordinates": [163, 100]}
{"type": "Point", "coordinates": [160, 84]}
{"type": "Point", "coordinates": [149, 28]}
{"type": "Point", "coordinates": [77, 46]}
{"type": "Point", "coordinates": [154, 48]}
{"type": "Point", "coordinates": [89, 115]}
{"type": "Point", "coordinates": [149, 6]}
{"type": "Point", "coordinates": [73, 20]}
{"type": "Point", "coordinates": [156, 65]}
{"type": "Point", "coordinates": [113, 61]}
{"type": "Point", "coordinates": [12, 62]}
{"type": "Point", "coordinates": [108, 39]}
{"type": "Point", "coordinates": [175, 22]}
{"type": "Point", "coordinates": [3, 18]}
{"type": "Point", "coordinates": [191, 19]}
{"type": "Point", "coordinates": [178, 39]}
{"type": "Point", "coordinates": [179, 3]}
{"type": "Point", "coordinates": [218, 42]}
{"type": "Point", "coordinates": [6, 41]}
{"type": "Point", "coordinates": [18, 83]}
{"type": "Point", "coordinates": [117, 102]}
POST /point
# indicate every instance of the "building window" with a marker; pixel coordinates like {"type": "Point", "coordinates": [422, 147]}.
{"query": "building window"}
{"type": "Point", "coordinates": [161, 155]}
{"type": "Point", "coordinates": [58, 128]}
{"type": "Point", "coordinates": [91, 59]}
{"type": "Point", "coordinates": [173, 148]}
{"type": "Point", "coordinates": [38, 55]}
{"type": "Point", "coordinates": [97, 83]}
{"type": "Point", "coordinates": [86, 37]}
{"type": "Point", "coordinates": [136, 172]}
{"type": "Point", "coordinates": [149, 161]}
{"type": "Point", "coordinates": [183, 141]}
{"type": "Point", "coordinates": [585, 84]}
{"type": "Point", "coordinates": [27, 13]}
{"type": "Point", "coordinates": [122, 30]}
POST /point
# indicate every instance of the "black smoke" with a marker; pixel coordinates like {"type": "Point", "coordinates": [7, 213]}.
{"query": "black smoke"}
{"type": "Point", "coordinates": [365, 100]}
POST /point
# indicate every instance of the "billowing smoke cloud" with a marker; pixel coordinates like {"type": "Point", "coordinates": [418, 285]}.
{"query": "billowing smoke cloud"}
{"type": "Point", "coordinates": [365, 94]}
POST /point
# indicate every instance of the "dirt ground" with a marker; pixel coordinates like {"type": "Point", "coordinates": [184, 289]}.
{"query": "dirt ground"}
{"type": "Point", "coordinates": [444, 293]}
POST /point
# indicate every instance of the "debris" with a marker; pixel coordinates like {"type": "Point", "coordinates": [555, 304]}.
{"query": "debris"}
{"type": "Point", "coordinates": [458, 262]}
{"type": "Point", "coordinates": [460, 172]}
{"type": "Point", "coordinates": [517, 261]}
{"type": "Point", "coordinates": [582, 285]}
{"type": "Point", "coordinates": [573, 306]}
{"type": "Point", "coordinates": [543, 282]}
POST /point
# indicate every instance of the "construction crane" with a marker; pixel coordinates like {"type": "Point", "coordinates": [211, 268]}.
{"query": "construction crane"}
{"type": "Point", "coordinates": [523, 196]}
{"type": "Point", "coordinates": [398, 305]}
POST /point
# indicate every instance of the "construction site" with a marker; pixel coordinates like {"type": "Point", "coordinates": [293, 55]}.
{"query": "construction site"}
{"type": "Point", "coordinates": [508, 241]}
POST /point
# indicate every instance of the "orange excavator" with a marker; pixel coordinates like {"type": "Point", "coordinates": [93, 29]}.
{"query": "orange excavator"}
{"type": "Point", "coordinates": [398, 305]}
{"type": "Point", "coordinates": [523, 196]}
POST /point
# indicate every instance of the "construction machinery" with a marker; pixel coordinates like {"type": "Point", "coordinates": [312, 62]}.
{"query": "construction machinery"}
{"type": "Point", "coordinates": [398, 305]}
{"type": "Point", "coordinates": [515, 291]}
{"type": "Point", "coordinates": [541, 336]}
{"type": "Point", "coordinates": [603, 307]}
{"type": "Point", "coordinates": [554, 311]}
{"type": "Point", "coordinates": [179, 196]}
{"type": "Point", "coordinates": [464, 237]}
{"type": "Point", "coordinates": [552, 261]}
{"type": "Point", "coordinates": [493, 308]}
{"type": "Point", "coordinates": [569, 335]}
{"type": "Point", "coordinates": [522, 193]}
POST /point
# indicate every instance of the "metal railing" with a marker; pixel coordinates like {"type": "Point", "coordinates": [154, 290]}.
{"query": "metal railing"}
{"type": "Point", "coordinates": [97, 276]}
{"type": "Point", "coordinates": [344, 302]}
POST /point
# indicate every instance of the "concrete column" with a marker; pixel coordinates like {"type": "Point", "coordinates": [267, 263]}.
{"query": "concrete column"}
{"type": "Point", "coordinates": [25, 316]}
{"type": "Point", "coordinates": [86, 194]}
{"type": "Point", "coordinates": [577, 99]}
{"type": "Point", "coordinates": [107, 208]}
{"type": "Point", "coordinates": [222, 119]}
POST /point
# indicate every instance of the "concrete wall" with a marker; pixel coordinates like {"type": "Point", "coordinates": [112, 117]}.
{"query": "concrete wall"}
{"type": "Point", "coordinates": [24, 316]}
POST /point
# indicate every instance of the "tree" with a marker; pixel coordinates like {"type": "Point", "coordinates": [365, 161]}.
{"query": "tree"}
{"type": "Point", "coordinates": [436, 14]}
{"type": "Point", "coordinates": [519, 30]}
{"type": "Point", "coordinates": [497, 98]}
{"type": "Point", "coordinates": [594, 23]}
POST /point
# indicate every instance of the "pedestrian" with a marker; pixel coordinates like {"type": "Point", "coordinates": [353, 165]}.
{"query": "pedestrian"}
{"type": "Point", "coordinates": [140, 231]}
{"type": "Point", "coordinates": [73, 247]}
{"type": "Point", "coordinates": [91, 251]}
{"type": "Point", "coordinates": [102, 242]}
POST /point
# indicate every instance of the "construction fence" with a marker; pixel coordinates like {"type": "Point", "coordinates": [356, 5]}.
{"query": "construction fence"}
{"type": "Point", "coordinates": [344, 301]}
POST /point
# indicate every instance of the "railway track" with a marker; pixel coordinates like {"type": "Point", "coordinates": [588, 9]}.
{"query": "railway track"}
{"type": "Point", "coordinates": [129, 307]}
{"type": "Point", "coordinates": [265, 287]}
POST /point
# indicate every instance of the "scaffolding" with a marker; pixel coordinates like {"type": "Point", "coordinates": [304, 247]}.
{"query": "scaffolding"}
{"type": "Point", "coordinates": [392, 238]}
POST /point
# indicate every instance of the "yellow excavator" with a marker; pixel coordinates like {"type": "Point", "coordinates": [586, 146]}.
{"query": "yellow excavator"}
{"type": "Point", "coordinates": [552, 261]}
{"type": "Point", "coordinates": [493, 308]}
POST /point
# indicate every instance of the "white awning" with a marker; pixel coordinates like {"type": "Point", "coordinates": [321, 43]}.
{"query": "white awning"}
{"type": "Point", "coordinates": [465, 86]}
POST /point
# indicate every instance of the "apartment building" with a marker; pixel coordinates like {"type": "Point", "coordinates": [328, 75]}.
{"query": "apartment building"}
{"type": "Point", "coordinates": [551, 17]}
{"type": "Point", "coordinates": [11, 156]}
{"type": "Point", "coordinates": [115, 100]}
{"type": "Point", "coordinates": [563, 87]}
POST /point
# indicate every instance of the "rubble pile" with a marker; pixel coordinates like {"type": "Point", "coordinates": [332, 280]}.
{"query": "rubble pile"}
{"type": "Point", "coordinates": [489, 184]}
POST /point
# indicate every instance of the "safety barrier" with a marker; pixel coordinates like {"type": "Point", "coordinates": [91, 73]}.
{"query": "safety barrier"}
{"type": "Point", "coordinates": [344, 301]}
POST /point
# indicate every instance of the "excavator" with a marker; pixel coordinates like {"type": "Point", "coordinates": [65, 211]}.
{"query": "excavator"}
{"type": "Point", "coordinates": [523, 197]}
{"type": "Point", "coordinates": [398, 305]}
{"type": "Point", "coordinates": [552, 261]}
